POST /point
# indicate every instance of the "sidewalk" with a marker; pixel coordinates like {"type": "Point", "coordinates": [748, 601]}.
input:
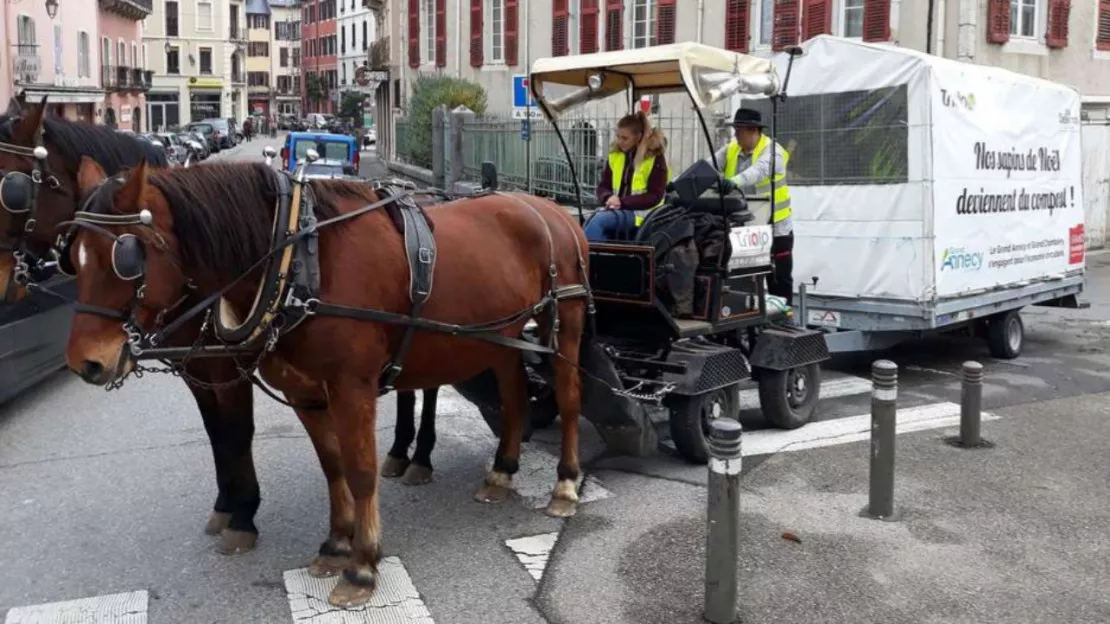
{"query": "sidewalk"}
{"type": "Point", "coordinates": [1016, 533]}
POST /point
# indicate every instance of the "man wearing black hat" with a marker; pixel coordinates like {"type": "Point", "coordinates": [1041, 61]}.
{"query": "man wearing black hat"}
{"type": "Point", "coordinates": [746, 164]}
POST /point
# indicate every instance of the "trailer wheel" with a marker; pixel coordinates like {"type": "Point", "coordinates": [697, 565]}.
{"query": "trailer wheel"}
{"type": "Point", "coordinates": [690, 416]}
{"type": "Point", "coordinates": [788, 398]}
{"type": "Point", "coordinates": [1006, 335]}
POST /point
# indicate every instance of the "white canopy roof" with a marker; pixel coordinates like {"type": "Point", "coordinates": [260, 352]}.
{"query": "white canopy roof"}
{"type": "Point", "coordinates": [658, 69]}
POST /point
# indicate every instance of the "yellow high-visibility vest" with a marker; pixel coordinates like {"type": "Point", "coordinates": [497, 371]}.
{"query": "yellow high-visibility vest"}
{"type": "Point", "coordinates": [639, 179]}
{"type": "Point", "coordinates": [763, 187]}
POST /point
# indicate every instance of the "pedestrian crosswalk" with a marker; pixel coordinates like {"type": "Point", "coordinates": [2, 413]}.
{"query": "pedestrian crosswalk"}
{"type": "Point", "coordinates": [842, 417]}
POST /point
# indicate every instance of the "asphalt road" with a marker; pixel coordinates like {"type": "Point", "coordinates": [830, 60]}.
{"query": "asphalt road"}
{"type": "Point", "coordinates": [107, 493]}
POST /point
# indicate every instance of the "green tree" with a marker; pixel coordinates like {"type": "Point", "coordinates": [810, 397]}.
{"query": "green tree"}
{"type": "Point", "coordinates": [316, 88]}
{"type": "Point", "coordinates": [428, 92]}
{"type": "Point", "coordinates": [350, 106]}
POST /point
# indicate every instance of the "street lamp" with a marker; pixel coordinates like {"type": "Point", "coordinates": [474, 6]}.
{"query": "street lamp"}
{"type": "Point", "coordinates": [52, 8]}
{"type": "Point", "coordinates": [166, 47]}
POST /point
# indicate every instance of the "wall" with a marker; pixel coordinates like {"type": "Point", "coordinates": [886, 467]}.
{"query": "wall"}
{"type": "Point", "coordinates": [353, 53]}
{"type": "Point", "coordinates": [124, 104]}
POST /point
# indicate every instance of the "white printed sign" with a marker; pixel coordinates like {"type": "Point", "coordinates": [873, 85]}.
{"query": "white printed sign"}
{"type": "Point", "coordinates": [1007, 196]}
{"type": "Point", "coordinates": [751, 247]}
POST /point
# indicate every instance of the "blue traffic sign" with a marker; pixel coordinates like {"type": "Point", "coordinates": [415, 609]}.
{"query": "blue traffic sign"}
{"type": "Point", "coordinates": [522, 96]}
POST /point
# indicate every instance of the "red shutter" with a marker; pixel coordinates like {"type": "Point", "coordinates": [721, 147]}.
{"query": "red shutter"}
{"type": "Point", "coordinates": [998, 21]}
{"type": "Point", "coordinates": [665, 22]}
{"type": "Point", "coordinates": [1102, 35]}
{"type": "Point", "coordinates": [560, 35]}
{"type": "Point", "coordinates": [441, 33]}
{"type": "Point", "coordinates": [876, 20]}
{"type": "Point", "coordinates": [816, 18]}
{"type": "Point", "coordinates": [587, 33]}
{"type": "Point", "coordinates": [512, 28]}
{"type": "Point", "coordinates": [1057, 34]}
{"type": "Point", "coordinates": [737, 25]}
{"type": "Point", "coordinates": [785, 32]}
{"type": "Point", "coordinates": [614, 25]}
{"type": "Point", "coordinates": [414, 34]}
{"type": "Point", "coordinates": [476, 43]}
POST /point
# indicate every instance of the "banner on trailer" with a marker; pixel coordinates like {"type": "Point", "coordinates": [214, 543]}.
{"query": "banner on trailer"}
{"type": "Point", "coordinates": [1008, 205]}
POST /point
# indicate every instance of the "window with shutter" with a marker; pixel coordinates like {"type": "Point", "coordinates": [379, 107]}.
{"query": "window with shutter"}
{"type": "Point", "coordinates": [737, 24]}
{"type": "Point", "coordinates": [414, 34]}
{"type": "Point", "coordinates": [1102, 34]}
{"type": "Point", "coordinates": [785, 31]}
{"type": "Point", "coordinates": [614, 25]}
{"type": "Point", "coordinates": [665, 22]}
{"type": "Point", "coordinates": [560, 26]}
{"type": "Point", "coordinates": [876, 20]}
{"type": "Point", "coordinates": [1057, 34]}
{"type": "Point", "coordinates": [816, 18]}
{"type": "Point", "coordinates": [588, 30]}
{"type": "Point", "coordinates": [476, 28]}
{"type": "Point", "coordinates": [441, 33]}
{"type": "Point", "coordinates": [512, 28]}
{"type": "Point", "coordinates": [998, 21]}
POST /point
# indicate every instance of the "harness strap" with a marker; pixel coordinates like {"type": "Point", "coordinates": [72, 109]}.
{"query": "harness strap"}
{"type": "Point", "coordinates": [273, 395]}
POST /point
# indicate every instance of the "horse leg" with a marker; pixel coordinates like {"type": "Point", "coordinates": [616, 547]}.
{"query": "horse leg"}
{"type": "Point", "coordinates": [419, 471]}
{"type": "Point", "coordinates": [568, 395]}
{"type": "Point", "coordinates": [335, 552]}
{"type": "Point", "coordinates": [513, 389]}
{"type": "Point", "coordinates": [397, 460]}
{"type": "Point", "coordinates": [353, 408]}
{"type": "Point", "coordinates": [228, 416]}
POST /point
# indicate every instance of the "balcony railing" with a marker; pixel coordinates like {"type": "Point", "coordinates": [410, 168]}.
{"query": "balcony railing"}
{"type": "Point", "coordinates": [141, 79]}
{"type": "Point", "coordinates": [238, 77]}
{"type": "Point", "coordinates": [379, 54]}
{"type": "Point", "coordinates": [259, 89]}
{"type": "Point", "coordinates": [237, 34]}
{"type": "Point", "coordinates": [115, 77]}
{"type": "Point", "coordinates": [136, 10]}
{"type": "Point", "coordinates": [26, 64]}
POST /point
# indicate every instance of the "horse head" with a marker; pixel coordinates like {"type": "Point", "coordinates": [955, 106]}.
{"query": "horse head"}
{"type": "Point", "coordinates": [123, 252]}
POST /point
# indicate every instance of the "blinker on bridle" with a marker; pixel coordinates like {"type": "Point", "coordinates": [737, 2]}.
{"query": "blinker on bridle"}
{"type": "Point", "coordinates": [18, 197]}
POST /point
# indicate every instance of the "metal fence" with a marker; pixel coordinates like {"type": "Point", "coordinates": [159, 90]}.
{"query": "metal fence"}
{"type": "Point", "coordinates": [401, 139]}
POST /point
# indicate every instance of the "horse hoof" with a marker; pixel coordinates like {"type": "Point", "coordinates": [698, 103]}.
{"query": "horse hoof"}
{"type": "Point", "coordinates": [394, 467]}
{"type": "Point", "coordinates": [217, 522]}
{"type": "Point", "coordinates": [325, 566]}
{"type": "Point", "coordinates": [347, 595]}
{"type": "Point", "coordinates": [492, 494]}
{"type": "Point", "coordinates": [562, 508]}
{"type": "Point", "coordinates": [233, 542]}
{"type": "Point", "coordinates": [417, 475]}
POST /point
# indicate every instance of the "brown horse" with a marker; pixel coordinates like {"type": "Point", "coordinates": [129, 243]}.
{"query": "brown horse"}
{"type": "Point", "coordinates": [499, 256]}
{"type": "Point", "coordinates": [225, 402]}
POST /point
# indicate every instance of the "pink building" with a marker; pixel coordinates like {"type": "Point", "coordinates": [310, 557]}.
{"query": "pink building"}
{"type": "Point", "coordinates": [123, 71]}
{"type": "Point", "coordinates": [53, 52]}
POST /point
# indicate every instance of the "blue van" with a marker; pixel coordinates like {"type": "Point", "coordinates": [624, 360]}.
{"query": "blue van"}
{"type": "Point", "coordinates": [331, 147]}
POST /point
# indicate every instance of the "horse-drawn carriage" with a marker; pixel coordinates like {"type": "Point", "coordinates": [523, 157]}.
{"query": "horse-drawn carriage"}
{"type": "Point", "coordinates": [647, 362]}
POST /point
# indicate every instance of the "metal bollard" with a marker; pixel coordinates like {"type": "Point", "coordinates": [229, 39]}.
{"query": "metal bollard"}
{"type": "Point", "coordinates": [884, 412]}
{"type": "Point", "coordinates": [971, 408]}
{"type": "Point", "coordinates": [723, 521]}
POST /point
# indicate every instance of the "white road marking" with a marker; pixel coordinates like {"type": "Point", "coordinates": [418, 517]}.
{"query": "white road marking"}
{"type": "Point", "coordinates": [125, 608]}
{"type": "Point", "coordinates": [852, 429]}
{"type": "Point", "coordinates": [831, 389]}
{"type": "Point", "coordinates": [394, 600]}
{"type": "Point", "coordinates": [533, 551]}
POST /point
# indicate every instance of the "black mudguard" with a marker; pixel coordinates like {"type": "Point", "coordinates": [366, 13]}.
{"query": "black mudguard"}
{"type": "Point", "coordinates": [783, 347]}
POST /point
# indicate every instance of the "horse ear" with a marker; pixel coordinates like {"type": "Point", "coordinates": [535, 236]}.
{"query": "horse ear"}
{"type": "Point", "coordinates": [89, 175]}
{"type": "Point", "coordinates": [132, 191]}
{"type": "Point", "coordinates": [30, 126]}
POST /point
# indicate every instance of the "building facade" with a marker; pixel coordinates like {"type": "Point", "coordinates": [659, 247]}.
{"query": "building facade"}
{"type": "Point", "coordinates": [123, 72]}
{"type": "Point", "coordinates": [258, 57]}
{"type": "Point", "coordinates": [285, 57]}
{"type": "Point", "coordinates": [197, 51]}
{"type": "Point", "coordinates": [319, 49]}
{"type": "Point", "coordinates": [356, 26]}
{"type": "Point", "coordinates": [54, 53]}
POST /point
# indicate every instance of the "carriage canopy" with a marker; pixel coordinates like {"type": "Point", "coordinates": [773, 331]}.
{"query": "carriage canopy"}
{"type": "Point", "coordinates": [707, 73]}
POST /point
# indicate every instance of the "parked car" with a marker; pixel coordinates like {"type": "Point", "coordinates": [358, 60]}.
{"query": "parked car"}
{"type": "Point", "coordinates": [330, 168]}
{"type": "Point", "coordinates": [33, 335]}
{"type": "Point", "coordinates": [210, 134]}
{"type": "Point", "coordinates": [196, 143]}
{"type": "Point", "coordinates": [330, 147]}
{"type": "Point", "coordinates": [224, 131]}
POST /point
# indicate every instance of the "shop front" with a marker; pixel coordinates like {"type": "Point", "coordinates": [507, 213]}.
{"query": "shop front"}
{"type": "Point", "coordinates": [126, 111]}
{"type": "Point", "coordinates": [163, 110]}
{"type": "Point", "coordinates": [72, 103]}
{"type": "Point", "coordinates": [205, 98]}
{"type": "Point", "coordinates": [260, 106]}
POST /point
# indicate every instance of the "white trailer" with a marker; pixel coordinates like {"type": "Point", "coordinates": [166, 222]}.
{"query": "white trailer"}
{"type": "Point", "coordinates": [928, 195]}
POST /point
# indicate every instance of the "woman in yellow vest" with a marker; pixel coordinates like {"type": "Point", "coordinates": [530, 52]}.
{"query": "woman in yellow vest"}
{"type": "Point", "coordinates": [633, 182]}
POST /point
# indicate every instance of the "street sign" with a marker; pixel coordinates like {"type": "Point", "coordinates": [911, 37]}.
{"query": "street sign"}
{"type": "Point", "coordinates": [522, 96]}
{"type": "Point", "coordinates": [524, 113]}
{"type": "Point", "coordinates": [525, 130]}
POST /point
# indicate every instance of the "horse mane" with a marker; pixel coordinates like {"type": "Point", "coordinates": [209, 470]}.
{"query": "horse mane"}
{"type": "Point", "coordinates": [112, 150]}
{"type": "Point", "coordinates": [223, 212]}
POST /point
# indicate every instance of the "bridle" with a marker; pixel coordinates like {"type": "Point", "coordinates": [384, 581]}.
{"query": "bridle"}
{"type": "Point", "coordinates": [19, 198]}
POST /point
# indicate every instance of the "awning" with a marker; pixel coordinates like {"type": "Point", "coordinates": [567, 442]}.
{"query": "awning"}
{"type": "Point", "coordinates": [63, 95]}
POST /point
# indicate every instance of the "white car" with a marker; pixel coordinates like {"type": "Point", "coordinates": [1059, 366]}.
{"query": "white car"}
{"type": "Point", "coordinates": [328, 168]}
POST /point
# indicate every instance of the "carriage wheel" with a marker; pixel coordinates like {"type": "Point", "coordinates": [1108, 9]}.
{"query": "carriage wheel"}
{"type": "Point", "coordinates": [690, 417]}
{"type": "Point", "coordinates": [788, 398]}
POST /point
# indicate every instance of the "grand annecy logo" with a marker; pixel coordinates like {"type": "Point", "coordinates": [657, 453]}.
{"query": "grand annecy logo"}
{"type": "Point", "coordinates": [959, 259]}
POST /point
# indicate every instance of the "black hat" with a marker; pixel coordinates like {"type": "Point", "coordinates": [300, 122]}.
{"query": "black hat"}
{"type": "Point", "coordinates": [748, 117]}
